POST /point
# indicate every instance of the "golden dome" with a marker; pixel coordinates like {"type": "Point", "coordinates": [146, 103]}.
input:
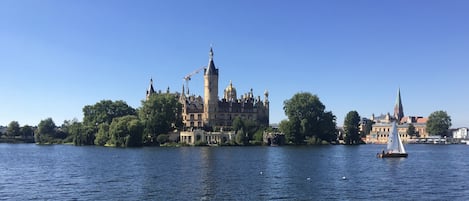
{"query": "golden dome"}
{"type": "Point", "coordinates": [230, 92]}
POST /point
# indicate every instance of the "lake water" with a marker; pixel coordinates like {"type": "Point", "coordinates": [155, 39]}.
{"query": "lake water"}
{"type": "Point", "coordinates": [64, 172]}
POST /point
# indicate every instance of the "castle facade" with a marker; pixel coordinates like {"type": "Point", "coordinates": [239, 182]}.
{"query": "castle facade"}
{"type": "Point", "coordinates": [212, 113]}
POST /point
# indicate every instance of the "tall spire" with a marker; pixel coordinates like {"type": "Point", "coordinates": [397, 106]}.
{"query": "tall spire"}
{"type": "Point", "coordinates": [211, 65]}
{"type": "Point", "coordinates": [398, 109]}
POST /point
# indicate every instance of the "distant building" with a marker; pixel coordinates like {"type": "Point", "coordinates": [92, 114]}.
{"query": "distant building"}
{"type": "Point", "coordinates": [382, 124]}
{"type": "Point", "coordinates": [460, 133]}
{"type": "Point", "coordinates": [3, 130]}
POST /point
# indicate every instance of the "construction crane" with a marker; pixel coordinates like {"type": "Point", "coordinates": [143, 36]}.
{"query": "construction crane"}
{"type": "Point", "coordinates": [188, 77]}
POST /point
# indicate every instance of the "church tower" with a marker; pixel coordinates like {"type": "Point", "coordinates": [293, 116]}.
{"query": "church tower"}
{"type": "Point", "coordinates": [398, 110]}
{"type": "Point", "coordinates": [150, 89]}
{"type": "Point", "coordinates": [210, 92]}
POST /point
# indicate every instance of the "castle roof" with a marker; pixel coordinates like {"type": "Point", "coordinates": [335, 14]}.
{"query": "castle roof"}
{"type": "Point", "coordinates": [211, 70]}
{"type": "Point", "coordinates": [150, 89]}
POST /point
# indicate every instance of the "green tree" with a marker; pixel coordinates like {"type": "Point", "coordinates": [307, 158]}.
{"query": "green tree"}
{"type": "Point", "coordinates": [13, 129]}
{"type": "Point", "coordinates": [241, 137]}
{"type": "Point", "coordinates": [292, 131]}
{"type": "Point", "coordinates": [328, 127]}
{"type": "Point", "coordinates": [160, 114]}
{"type": "Point", "coordinates": [307, 119]}
{"type": "Point", "coordinates": [101, 112]}
{"type": "Point", "coordinates": [105, 111]}
{"type": "Point", "coordinates": [351, 128]}
{"type": "Point", "coordinates": [102, 137]}
{"type": "Point", "coordinates": [126, 131]}
{"type": "Point", "coordinates": [411, 130]}
{"type": "Point", "coordinates": [69, 130]}
{"type": "Point", "coordinates": [438, 123]}
{"type": "Point", "coordinates": [27, 131]}
{"type": "Point", "coordinates": [248, 126]}
{"type": "Point", "coordinates": [46, 131]}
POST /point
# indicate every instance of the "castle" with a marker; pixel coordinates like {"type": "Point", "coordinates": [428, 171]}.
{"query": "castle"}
{"type": "Point", "coordinates": [213, 114]}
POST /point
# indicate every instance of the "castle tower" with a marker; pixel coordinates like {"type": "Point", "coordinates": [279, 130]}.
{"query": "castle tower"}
{"type": "Point", "coordinates": [398, 109]}
{"type": "Point", "coordinates": [150, 89]}
{"type": "Point", "coordinates": [266, 106]}
{"type": "Point", "coordinates": [210, 91]}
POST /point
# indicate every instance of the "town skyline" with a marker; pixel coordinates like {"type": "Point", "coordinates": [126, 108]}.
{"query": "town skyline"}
{"type": "Point", "coordinates": [55, 60]}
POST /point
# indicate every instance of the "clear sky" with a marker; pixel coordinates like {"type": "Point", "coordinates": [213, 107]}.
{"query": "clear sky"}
{"type": "Point", "coordinates": [58, 56]}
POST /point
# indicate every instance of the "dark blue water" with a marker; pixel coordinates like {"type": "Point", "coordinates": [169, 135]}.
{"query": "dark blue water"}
{"type": "Point", "coordinates": [63, 172]}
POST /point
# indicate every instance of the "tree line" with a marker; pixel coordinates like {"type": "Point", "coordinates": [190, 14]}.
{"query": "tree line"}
{"type": "Point", "coordinates": [115, 123]}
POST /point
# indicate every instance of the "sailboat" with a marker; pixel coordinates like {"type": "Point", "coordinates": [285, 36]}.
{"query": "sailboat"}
{"type": "Point", "coordinates": [395, 147]}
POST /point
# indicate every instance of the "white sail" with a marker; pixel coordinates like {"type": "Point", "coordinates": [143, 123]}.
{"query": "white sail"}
{"type": "Point", "coordinates": [394, 141]}
{"type": "Point", "coordinates": [401, 146]}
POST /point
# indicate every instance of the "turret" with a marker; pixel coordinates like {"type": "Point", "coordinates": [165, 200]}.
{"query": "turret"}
{"type": "Point", "coordinates": [150, 89]}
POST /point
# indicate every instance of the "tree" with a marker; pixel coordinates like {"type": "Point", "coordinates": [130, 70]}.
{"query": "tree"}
{"type": "Point", "coordinates": [13, 129]}
{"type": "Point", "coordinates": [438, 123]}
{"type": "Point", "coordinates": [411, 130]}
{"type": "Point", "coordinates": [125, 131]}
{"type": "Point", "coordinates": [46, 131]}
{"type": "Point", "coordinates": [241, 137]}
{"type": "Point", "coordinates": [105, 111]}
{"type": "Point", "coordinates": [102, 112]}
{"type": "Point", "coordinates": [307, 119]}
{"type": "Point", "coordinates": [27, 131]}
{"type": "Point", "coordinates": [292, 131]}
{"type": "Point", "coordinates": [160, 114]}
{"type": "Point", "coordinates": [328, 127]}
{"type": "Point", "coordinates": [102, 137]}
{"type": "Point", "coordinates": [248, 126]}
{"type": "Point", "coordinates": [351, 128]}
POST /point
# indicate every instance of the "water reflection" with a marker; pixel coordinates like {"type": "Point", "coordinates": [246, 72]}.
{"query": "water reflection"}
{"type": "Point", "coordinates": [207, 176]}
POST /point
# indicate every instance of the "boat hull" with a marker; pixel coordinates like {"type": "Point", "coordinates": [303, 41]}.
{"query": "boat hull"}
{"type": "Point", "coordinates": [392, 155]}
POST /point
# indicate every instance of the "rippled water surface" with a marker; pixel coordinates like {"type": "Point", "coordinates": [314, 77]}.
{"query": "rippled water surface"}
{"type": "Point", "coordinates": [63, 172]}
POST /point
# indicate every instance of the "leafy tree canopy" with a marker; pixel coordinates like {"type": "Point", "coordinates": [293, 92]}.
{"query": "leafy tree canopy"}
{"type": "Point", "coordinates": [247, 128]}
{"type": "Point", "coordinates": [13, 129]}
{"type": "Point", "coordinates": [27, 131]}
{"type": "Point", "coordinates": [160, 114]}
{"type": "Point", "coordinates": [105, 111]}
{"type": "Point", "coordinates": [438, 123]}
{"type": "Point", "coordinates": [411, 130]}
{"type": "Point", "coordinates": [307, 118]}
{"type": "Point", "coordinates": [46, 131]}
{"type": "Point", "coordinates": [126, 131]}
{"type": "Point", "coordinates": [351, 128]}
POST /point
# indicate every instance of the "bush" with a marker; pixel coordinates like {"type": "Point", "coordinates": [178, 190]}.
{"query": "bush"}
{"type": "Point", "coordinates": [162, 138]}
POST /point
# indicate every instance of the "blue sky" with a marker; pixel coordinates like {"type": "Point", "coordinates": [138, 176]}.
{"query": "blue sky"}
{"type": "Point", "coordinates": [58, 56]}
